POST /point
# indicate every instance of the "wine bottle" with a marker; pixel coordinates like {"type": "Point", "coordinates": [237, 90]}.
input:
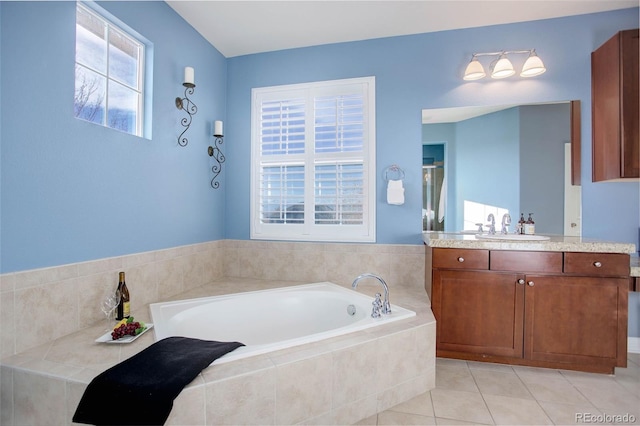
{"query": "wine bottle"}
{"type": "Point", "coordinates": [124, 305]}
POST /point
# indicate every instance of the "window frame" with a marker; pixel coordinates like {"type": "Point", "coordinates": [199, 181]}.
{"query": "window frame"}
{"type": "Point", "coordinates": [310, 231]}
{"type": "Point", "coordinates": [114, 24]}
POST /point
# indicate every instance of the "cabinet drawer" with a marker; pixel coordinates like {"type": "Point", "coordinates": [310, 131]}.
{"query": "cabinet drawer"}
{"type": "Point", "coordinates": [526, 261]}
{"type": "Point", "coordinates": [450, 258]}
{"type": "Point", "coordinates": [600, 264]}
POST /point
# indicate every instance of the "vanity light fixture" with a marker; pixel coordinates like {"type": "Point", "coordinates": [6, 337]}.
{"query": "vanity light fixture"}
{"type": "Point", "coordinates": [187, 104]}
{"type": "Point", "coordinates": [216, 153]}
{"type": "Point", "coordinates": [501, 67]}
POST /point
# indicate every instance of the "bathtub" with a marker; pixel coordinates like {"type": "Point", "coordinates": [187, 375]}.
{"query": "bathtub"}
{"type": "Point", "coordinates": [269, 320]}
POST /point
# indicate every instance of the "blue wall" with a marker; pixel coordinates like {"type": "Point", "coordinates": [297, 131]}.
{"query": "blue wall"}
{"type": "Point", "coordinates": [425, 71]}
{"type": "Point", "coordinates": [74, 191]}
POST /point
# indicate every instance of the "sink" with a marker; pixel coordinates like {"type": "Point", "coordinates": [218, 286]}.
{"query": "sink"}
{"type": "Point", "coordinates": [512, 237]}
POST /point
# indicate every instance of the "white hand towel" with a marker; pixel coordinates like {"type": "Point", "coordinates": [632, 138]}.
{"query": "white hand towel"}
{"type": "Point", "coordinates": [395, 192]}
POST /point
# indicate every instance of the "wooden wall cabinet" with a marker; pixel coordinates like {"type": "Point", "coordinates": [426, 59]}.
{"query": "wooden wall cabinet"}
{"type": "Point", "coordinates": [614, 109]}
{"type": "Point", "coordinates": [547, 309]}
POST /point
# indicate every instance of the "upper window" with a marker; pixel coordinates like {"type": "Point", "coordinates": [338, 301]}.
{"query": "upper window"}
{"type": "Point", "coordinates": [313, 161]}
{"type": "Point", "coordinates": [109, 73]}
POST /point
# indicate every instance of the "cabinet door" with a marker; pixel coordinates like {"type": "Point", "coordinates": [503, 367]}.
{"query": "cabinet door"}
{"type": "Point", "coordinates": [478, 312]}
{"type": "Point", "coordinates": [575, 320]}
{"type": "Point", "coordinates": [614, 102]}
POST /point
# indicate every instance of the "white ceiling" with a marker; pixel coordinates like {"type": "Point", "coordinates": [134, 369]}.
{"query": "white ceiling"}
{"type": "Point", "coordinates": [243, 27]}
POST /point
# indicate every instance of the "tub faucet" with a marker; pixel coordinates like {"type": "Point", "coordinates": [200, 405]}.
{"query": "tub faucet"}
{"type": "Point", "coordinates": [491, 224]}
{"type": "Point", "coordinates": [386, 306]}
{"type": "Point", "coordinates": [506, 221]}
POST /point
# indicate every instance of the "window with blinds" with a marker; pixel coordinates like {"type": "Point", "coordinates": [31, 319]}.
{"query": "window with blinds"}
{"type": "Point", "coordinates": [313, 161]}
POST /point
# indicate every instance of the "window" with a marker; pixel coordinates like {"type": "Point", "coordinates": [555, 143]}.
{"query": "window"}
{"type": "Point", "coordinates": [108, 73]}
{"type": "Point", "coordinates": [313, 161]}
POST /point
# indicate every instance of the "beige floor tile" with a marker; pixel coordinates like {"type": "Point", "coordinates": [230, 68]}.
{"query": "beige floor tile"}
{"type": "Point", "coordinates": [369, 421]}
{"type": "Point", "coordinates": [421, 405]}
{"type": "Point", "coordinates": [568, 414]}
{"type": "Point", "coordinates": [505, 368]}
{"type": "Point", "coordinates": [554, 390]}
{"type": "Point", "coordinates": [610, 397]}
{"type": "Point", "coordinates": [458, 405]}
{"type": "Point", "coordinates": [455, 377]}
{"type": "Point", "coordinates": [396, 418]}
{"type": "Point", "coordinates": [441, 421]}
{"type": "Point", "coordinates": [516, 411]}
{"type": "Point", "coordinates": [500, 383]}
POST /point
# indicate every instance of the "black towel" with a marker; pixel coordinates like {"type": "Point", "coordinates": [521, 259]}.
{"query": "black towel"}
{"type": "Point", "coordinates": [141, 389]}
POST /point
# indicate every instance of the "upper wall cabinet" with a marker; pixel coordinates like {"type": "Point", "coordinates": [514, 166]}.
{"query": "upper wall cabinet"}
{"type": "Point", "coordinates": [614, 97]}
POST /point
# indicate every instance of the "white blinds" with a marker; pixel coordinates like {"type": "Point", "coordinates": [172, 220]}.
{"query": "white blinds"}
{"type": "Point", "coordinates": [313, 161]}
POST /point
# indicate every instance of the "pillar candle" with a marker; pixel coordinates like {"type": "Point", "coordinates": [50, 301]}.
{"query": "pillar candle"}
{"type": "Point", "coordinates": [189, 75]}
{"type": "Point", "coordinates": [217, 128]}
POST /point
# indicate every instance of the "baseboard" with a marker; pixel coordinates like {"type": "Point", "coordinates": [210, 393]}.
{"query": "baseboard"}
{"type": "Point", "coordinates": [633, 345]}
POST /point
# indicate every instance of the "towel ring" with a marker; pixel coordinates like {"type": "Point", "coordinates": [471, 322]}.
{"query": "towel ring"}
{"type": "Point", "coordinates": [393, 172]}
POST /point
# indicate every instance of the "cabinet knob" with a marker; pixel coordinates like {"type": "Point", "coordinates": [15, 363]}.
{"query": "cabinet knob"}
{"type": "Point", "coordinates": [520, 281]}
{"type": "Point", "coordinates": [531, 283]}
{"type": "Point", "coordinates": [597, 264]}
{"type": "Point", "coordinates": [461, 259]}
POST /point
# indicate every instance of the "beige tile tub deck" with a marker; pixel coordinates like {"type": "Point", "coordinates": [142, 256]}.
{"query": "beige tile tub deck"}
{"type": "Point", "coordinates": [341, 380]}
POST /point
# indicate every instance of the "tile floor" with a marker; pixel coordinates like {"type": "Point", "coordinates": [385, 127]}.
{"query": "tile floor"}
{"type": "Point", "coordinates": [483, 393]}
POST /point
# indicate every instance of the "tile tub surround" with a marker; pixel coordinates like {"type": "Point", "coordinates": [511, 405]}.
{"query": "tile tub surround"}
{"type": "Point", "coordinates": [555, 243]}
{"type": "Point", "coordinates": [337, 381]}
{"type": "Point", "coordinates": [70, 293]}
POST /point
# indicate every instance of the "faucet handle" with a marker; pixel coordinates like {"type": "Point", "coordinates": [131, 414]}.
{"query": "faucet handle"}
{"type": "Point", "coordinates": [377, 306]}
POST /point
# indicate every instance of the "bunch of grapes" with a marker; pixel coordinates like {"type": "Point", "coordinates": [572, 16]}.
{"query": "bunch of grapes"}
{"type": "Point", "coordinates": [127, 329]}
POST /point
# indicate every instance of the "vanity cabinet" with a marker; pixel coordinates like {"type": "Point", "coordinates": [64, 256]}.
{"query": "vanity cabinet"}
{"type": "Point", "coordinates": [615, 112]}
{"type": "Point", "coordinates": [549, 309]}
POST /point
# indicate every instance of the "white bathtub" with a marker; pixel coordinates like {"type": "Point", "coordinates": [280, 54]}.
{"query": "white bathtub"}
{"type": "Point", "coordinates": [273, 319]}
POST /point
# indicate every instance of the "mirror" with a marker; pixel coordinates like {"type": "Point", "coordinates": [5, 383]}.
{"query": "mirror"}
{"type": "Point", "coordinates": [502, 159]}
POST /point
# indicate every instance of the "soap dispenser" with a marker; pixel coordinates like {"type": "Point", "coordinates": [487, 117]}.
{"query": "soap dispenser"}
{"type": "Point", "coordinates": [529, 225]}
{"type": "Point", "coordinates": [520, 228]}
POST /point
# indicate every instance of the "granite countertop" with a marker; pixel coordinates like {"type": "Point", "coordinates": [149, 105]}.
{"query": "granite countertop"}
{"type": "Point", "coordinates": [555, 243]}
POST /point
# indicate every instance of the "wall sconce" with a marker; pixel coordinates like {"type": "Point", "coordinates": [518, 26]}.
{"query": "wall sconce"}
{"type": "Point", "coordinates": [215, 152]}
{"type": "Point", "coordinates": [502, 66]}
{"type": "Point", "coordinates": [186, 104]}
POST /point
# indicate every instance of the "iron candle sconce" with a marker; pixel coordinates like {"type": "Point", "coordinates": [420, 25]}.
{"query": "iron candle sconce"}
{"type": "Point", "coordinates": [187, 104]}
{"type": "Point", "coordinates": [216, 153]}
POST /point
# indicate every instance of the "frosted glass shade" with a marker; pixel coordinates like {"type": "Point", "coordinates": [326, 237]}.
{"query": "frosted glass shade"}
{"type": "Point", "coordinates": [533, 66]}
{"type": "Point", "coordinates": [503, 68]}
{"type": "Point", "coordinates": [474, 71]}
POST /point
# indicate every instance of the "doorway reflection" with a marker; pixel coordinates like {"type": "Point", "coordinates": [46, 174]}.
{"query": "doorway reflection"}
{"type": "Point", "coordinates": [434, 187]}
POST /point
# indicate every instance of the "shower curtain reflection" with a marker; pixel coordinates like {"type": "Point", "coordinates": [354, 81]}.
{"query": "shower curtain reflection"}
{"type": "Point", "coordinates": [433, 201]}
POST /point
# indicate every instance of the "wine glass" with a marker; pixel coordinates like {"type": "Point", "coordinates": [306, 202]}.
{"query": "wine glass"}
{"type": "Point", "coordinates": [110, 301]}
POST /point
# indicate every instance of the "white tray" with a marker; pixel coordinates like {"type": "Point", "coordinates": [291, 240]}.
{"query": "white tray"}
{"type": "Point", "coordinates": [106, 337]}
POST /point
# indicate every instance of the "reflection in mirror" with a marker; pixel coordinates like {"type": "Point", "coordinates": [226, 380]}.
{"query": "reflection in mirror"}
{"type": "Point", "coordinates": [495, 160]}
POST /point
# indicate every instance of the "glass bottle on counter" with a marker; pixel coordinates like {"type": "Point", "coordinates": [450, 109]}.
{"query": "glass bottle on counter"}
{"type": "Point", "coordinates": [520, 229]}
{"type": "Point", "coordinates": [529, 225]}
{"type": "Point", "coordinates": [124, 306]}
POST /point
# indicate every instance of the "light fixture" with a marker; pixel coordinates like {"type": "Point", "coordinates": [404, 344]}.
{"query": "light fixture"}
{"type": "Point", "coordinates": [474, 70]}
{"type": "Point", "coordinates": [532, 66]}
{"type": "Point", "coordinates": [186, 104]}
{"type": "Point", "coordinates": [216, 153]}
{"type": "Point", "coordinates": [501, 67]}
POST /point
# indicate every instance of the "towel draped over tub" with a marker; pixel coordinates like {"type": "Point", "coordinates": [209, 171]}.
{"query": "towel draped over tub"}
{"type": "Point", "coordinates": [141, 389]}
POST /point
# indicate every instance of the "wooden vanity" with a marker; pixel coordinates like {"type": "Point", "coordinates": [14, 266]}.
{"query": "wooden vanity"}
{"type": "Point", "coordinates": [561, 303]}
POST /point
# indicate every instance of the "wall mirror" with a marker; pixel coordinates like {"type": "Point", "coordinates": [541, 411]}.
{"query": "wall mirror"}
{"type": "Point", "coordinates": [502, 159]}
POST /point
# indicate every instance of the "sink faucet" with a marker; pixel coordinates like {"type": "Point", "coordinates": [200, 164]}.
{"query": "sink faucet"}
{"type": "Point", "coordinates": [491, 224]}
{"type": "Point", "coordinates": [386, 306]}
{"type": "Point", "coordinates": [506, 221]}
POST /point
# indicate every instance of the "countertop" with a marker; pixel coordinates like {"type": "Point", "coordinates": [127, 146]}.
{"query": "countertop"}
{"type": "Point", "coordinates": [555, 243]}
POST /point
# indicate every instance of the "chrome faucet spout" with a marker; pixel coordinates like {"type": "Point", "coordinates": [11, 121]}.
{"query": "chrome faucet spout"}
{"type": "Point", "coordinates": [492, 223]}
{"type": "Point", "coordinates": [386, 306]}
{"type": "Point", "coordinates": [506, 221]}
